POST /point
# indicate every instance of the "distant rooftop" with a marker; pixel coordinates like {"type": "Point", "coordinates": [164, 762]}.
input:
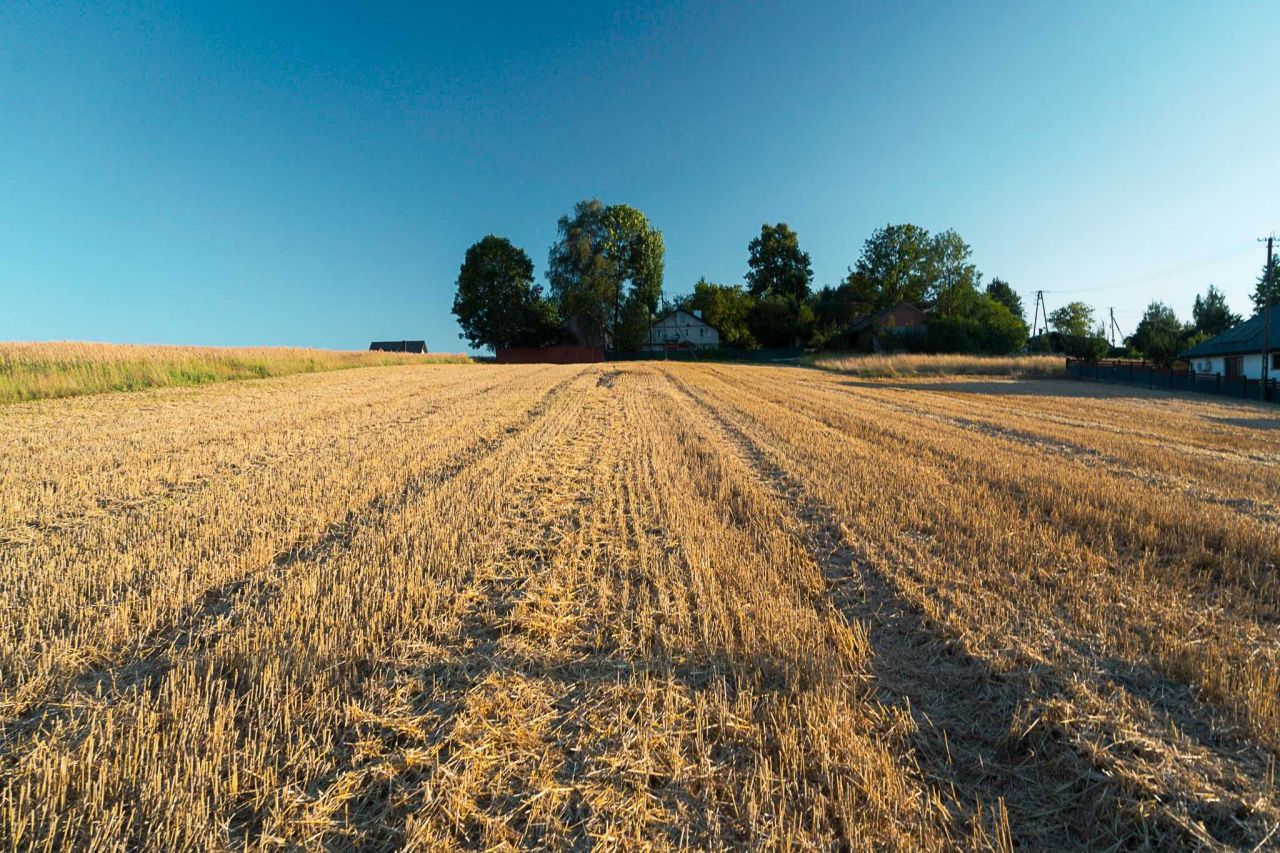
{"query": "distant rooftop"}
{"type": "Point", "coordinates": [399, 346]}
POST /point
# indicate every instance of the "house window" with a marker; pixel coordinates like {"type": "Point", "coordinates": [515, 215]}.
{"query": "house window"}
{"type": "Point", "coordinates": [1233, 366]}
{"type": "Point", "coordinates": [1275, 361]}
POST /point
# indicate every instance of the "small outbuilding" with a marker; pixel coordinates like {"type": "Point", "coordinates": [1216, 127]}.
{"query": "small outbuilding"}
{"type": "Point", "coordinates": [681, 330]}
{"type": "Point", "coordinates": [399, 346]}
{"type": "Point", "coordinates": [902, 319]}
{"type": "Point", "coordinates": [1237, 352]}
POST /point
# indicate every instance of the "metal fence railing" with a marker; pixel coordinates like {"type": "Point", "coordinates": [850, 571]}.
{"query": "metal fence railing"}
{"type": "Point", "coordinates": [1150, 376]}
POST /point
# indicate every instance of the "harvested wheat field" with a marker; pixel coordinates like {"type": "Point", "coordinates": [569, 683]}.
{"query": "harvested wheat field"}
{"type": "Point", "coordinates": [645, 605]}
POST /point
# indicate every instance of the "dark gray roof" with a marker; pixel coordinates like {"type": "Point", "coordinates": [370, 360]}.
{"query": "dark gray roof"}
{"type": "Point", "coordinates": [399, 346]}
{"type": "Point", "coordinates": [867, 321]}
{"type": "Point", "coordinates": [1243, 339]}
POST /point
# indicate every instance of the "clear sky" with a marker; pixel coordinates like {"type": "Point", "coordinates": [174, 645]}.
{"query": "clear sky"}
{"type": "Point", "coordinates": [311, 174]}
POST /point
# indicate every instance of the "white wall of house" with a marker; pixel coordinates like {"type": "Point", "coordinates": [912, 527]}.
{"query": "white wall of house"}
{"type": "Point", "coordinates": [679, 328]}
{"type": "Point", "coordinates": [1251, 365]}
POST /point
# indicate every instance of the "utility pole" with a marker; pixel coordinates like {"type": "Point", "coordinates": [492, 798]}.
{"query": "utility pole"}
{"type": "Point", "coordinates": [1114, 328]}
{"type": "Point", "coordinates": [1268, 282]}
{"type": "Point", "coordinates": [1035, 322]}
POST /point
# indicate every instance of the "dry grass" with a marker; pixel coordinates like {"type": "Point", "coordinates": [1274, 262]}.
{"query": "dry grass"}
{"type": "Point", "coordinates": [648, 605]}
{"type": "Point", "coordinates": [35, 371]}
{"type": "Point", "coordinates": [913, 364]}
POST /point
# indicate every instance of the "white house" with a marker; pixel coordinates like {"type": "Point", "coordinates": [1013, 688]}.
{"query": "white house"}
{"type": "Point", "coordinates": [681, 330]}
{"type": "Point", "coordinates": [1237, 352]}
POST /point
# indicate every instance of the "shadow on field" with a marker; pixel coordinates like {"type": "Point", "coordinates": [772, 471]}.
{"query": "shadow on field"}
{"type": "Point", "coordinates": [1073, 389]}
{"type": "Point", "coordinates": [1252, 423]}
{"type": "Point", "coordinates": [1010, 387]}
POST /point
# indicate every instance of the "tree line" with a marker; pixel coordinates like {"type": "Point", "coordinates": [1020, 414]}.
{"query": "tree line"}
{"type": "Point", "coordinates": [1160, 335]}
{"type": "Point", "coordinates": [605, 276]}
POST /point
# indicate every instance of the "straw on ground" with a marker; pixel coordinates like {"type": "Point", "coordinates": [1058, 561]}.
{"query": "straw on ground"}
{"type": "Point", "coordinates": [657, 605]}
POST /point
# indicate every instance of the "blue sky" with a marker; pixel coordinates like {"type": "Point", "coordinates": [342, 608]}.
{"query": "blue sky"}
{"type": "Point", "coordinates": [312, 174]}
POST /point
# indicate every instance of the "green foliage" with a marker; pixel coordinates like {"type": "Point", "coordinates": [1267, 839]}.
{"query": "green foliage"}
{"type": "Point", "coordinates": [605, 271]}
{"type": "Point", "coordinates": [779, 321]}
{"type": "Point", "coordinates": [1160, 335]}
{"type": "Point", "coordinates": [1044, 343]}
{"type": "Point", "coordinates": [904, 263]}
{"type": "Point", "coordinates": [999, 290]}
{"type": "Point", "coordinates": [1090, 346]}
{"type": "Point", "coordinates": [1268, 287]}
{"type": "Point", "coordinates": [497, 304]}
{"type": "Point", "coordinates": [1211, 314]}
{"type": "Point", "coordinates": [1194, 337]}
{"type": "Point", "coordinates": [725, 306]}
{"type": "Point", "coordinates": [777, 266]}
{"type": "Point", "coordinates": [1075, 319]}
{"type": "Point", "coordinates": [987, 327]}
{"type": "Point", "coordinates": [896, 265]}
{"type": "Point", "coordinates": [953, 291]}
{"type": "Point", "coordinates": [835, 309]}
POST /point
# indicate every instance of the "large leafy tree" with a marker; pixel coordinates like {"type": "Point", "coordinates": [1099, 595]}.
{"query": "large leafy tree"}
{"type": "Point", "coordinates": [778, 320]}
{"type": "Point", "coordinates": [1159, 335]}
{"type": "Point", "coordinates": [605, 271]}
{"type": "Point", "coordinates": [1073, 319]}
{"type": "Point", "coordinates": [896, 265]}
{"type": "Point", "coordinates": [999, 290]}
{"type": "Point", "coordinates": [725, 306]}
{"type": "Point", "coordinates": [953, 291]}
{"type": "Point", "coordinates": [1268, 287]}
{"type": "Point", "coordinates": [1211, 314]}
{"type": "Point", "coordinates": [497, 304]}
{"type": "Point", "coordinates": [777, 266]}
{"type": "Point", "coordinates": [1076, 334]}
{"type": "Point", "coordinates": [905, 263]}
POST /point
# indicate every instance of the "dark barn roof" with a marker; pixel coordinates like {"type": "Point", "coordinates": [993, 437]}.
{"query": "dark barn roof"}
{"type": "Point", "coordinates": [399, 346]}
{"type": "Point", "coordinates": [1243, 339]}
{"type": "Point", "coordinates": [871, 319]}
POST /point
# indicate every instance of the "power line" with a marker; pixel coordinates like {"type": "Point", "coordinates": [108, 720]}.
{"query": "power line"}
{"type": "Point", "coordinates": [1182, 267]}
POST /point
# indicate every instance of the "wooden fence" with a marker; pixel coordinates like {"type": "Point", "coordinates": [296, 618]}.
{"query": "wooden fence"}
{"type": "Point", "coordinates": [1150, 376]}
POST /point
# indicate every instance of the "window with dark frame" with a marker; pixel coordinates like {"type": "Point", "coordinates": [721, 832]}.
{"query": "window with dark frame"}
{"type": "Point", "coordinates": [1275, 361]}
{"type": "Point", "coordinates": [1233, 366]}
